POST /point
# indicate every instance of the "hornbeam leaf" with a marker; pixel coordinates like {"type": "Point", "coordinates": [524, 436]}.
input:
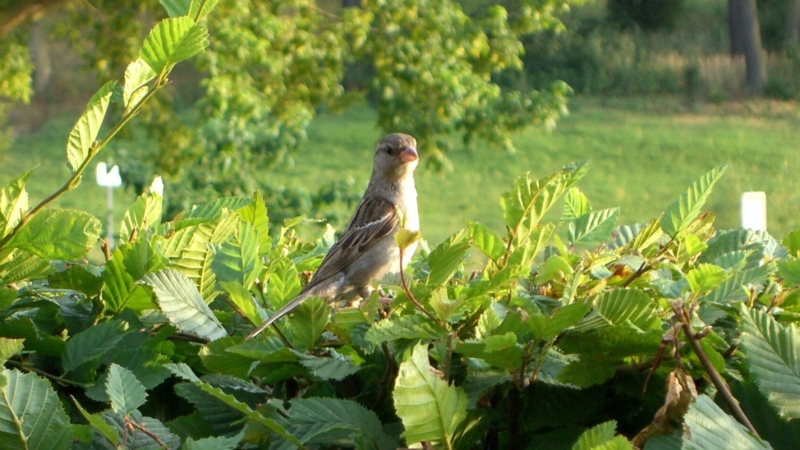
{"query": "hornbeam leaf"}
{"type": "Point", "coordinates": [683, 211]}
{"type": "Point", "coordinates": [772, 352]}
{"type": "Point", "coordinates": [60, 234]}
{"type": "Point", "coordinates": [183, 305]}
{"type": "Point", "coordinates": [84, 133]}
{"type": "Point", "coordinates": [709, 428]}
{"type": "Point", "coordinates": [171, 41]}
{"type": "Point", "coordinates": [430, 408]}
{"type": "Point", "coordinates": [124, 390]}
{"type": "Point", "coordinates": [31, 415]}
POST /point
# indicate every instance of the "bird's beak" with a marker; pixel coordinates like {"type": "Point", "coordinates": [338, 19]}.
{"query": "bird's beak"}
{"type": "Point", "coordinates": [409, 154]}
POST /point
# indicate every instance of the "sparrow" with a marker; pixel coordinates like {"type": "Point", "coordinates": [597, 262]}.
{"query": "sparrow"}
{"type": "Point", "coordinates": [366, 249]}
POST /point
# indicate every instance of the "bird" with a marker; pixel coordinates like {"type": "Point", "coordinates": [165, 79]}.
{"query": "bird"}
{"type": "Point", "coordinates": [366, 250]}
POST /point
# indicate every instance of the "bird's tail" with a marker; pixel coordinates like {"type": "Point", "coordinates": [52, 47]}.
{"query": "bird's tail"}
{"type": "Point", "coordinates": [287, 308]}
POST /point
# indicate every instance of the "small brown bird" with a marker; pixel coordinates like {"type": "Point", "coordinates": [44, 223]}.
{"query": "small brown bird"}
{"type": "Point", "coordinates": [367, 250]}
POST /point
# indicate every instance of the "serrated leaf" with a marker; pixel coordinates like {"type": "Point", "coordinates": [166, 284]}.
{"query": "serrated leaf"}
{"type": "Point", "coordinates": [137, 74]}
{"type": "Point", "coordinates": [403, 327]}
{"type": "Point", "coordinates": [171, 41]}
{"type": "Point", "coordinates": [647, 236]}
{"type": "Point", "coordinates": [527, 201]}
{"type": "Point", "coordinates": [176, 8]}
{"type": "Point", "coordinates": [237, 258]}
{"type": "Point", "coordinates": [792, 243]}
{"type": "Point", "coordinates": [108, 431]}
{"type": "Point", "coordinates": [145, 214]}
{"type": "Point", "coordinates": [705, 277]}
{"type": "Point", "coordinates": [182, 371]}
{"type": "Point", "coordinates": [486, 241]}
{"type": "Point", "coordinates": [242, 301]}
{"type": "Point", "coordinates": [405, 237]}
{"type": "Point", "coordinates": [91, 343]}
{"type": "Point", "coordinates": [13, 203]}
{"type": "Point", "coordinates": [120, 289]}
{"type": "Point", "coordinates": [284, 283]}
{"type": "Point", "coordinates": [732, 288]}
{"type": "Point", "coordinates": [335, 422]}
{"type": "Point", "coordinates": [9, 348]}
{"type": "Point", "coordinates": [617, 306]}
{"type": "Point", "coordinates": [430, 408]}
{"type": "Point", "coordinates": [772, 352]}
{"type": "Point", "coordinates": [548, 327]}
{"type": "Point", "coordinates": [135, 437]}
{"type": "Point", "coordinates": [576, 204]}
{"type": "Point", "coordinates": [181, 302]}
{"type": "Point", "coordinates": [309, 321]}
{"type": "Point", "coordinates": [593, 227]}
{"type": "Point", "coordinates": [31, 415]}
{"type": "Point", "coordinates": [602, 437]}
{"type": "Point", "coordinates": [446, 257]}
{"type": "Point", "coordinates": [683, 211]}
{"type": "Point", "coordinates": [256, 214]}
{"type": "Point", "coordinates": [789, 270]}
{"type": "Point", "coordinates": [124, 390]}
{"type": "Point", "coordinates": [21, 266]}
{"type": "Point", "coordinates": [84, 133]}
{"type": "Point", "coordinates": [60, 234]}
{"type": "Point", "coordinates": [710, 428]}
{"type": "Point", "coordinates": [334, 366]}
{"type": "Point", "coordinates": [213, 443]}
{"type": "Point", "coordinates": [589, 370]}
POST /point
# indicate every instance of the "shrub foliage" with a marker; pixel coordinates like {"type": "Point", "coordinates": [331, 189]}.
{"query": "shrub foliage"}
{"type": "Point", "coordinates": [575, 333]}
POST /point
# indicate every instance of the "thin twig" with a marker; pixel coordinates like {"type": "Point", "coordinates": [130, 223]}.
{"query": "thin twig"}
{"type": "Point", "coordinates": [50, 376]}
{"type": "Point", "coordinates": [144, 430]}
{"type": "Point", "coordinates": [716, 378]}
{"type": "Point", "coordinates": [411, 296]}
{"type": "Point", "coordinates": [448, 357]}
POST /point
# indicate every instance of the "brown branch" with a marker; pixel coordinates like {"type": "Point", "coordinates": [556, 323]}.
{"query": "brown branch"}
{"type": "Point", "coordinates": [23, 12]}
{"type": "Point", "coordinates": [144, 430]}
{"type": "Point", "coordinates": [722, 387]}
{"type": "Point", "coordinates": [411, 296]}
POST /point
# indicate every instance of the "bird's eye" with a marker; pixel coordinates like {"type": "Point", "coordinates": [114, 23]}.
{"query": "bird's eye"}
{"type": "Point", "coordinates": [388, 150]}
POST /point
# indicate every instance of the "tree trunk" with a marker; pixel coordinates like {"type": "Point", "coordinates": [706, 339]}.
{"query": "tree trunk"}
{"type": "Point", "coordinates": [793, 24]}
{"type": "Point", "coordinates": [746, 40]}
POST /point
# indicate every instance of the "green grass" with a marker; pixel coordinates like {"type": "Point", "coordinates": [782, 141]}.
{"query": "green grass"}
{"type": "Point", "coordinates": [644, 153]}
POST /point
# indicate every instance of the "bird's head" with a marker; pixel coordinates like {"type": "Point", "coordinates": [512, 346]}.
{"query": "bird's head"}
{"type": "Point", "coordinates": [396, 156]}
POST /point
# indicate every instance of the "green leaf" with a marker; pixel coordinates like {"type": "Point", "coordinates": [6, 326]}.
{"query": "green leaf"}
{"type": "Point", "coordinates": [683, 211]}
{"type": "Point", "coordinates": [309, 321]}
{"type": "Point", "coordinates": [256, 214]}
{"type": "Point", "coordinates": [332, 367]}
{"type": "Point", "coordinates": [284, 283]}
{"type": "Point", "coordinates": [144, 215]}
{"type": "Point", "coordinates": [732, 288]}
{"type": "Point", "coordinates": [22, 266]}
{"type": "Point", "coordinates": [593, 227]}
{"type": "Point", "coordinates": [13, 203]}
{"type": "Point", "coordinates": [792, 243]}
{"type": "Point", "coordinates": [617, 306]}
{"type": "Point", "coordinates": [241, 300]}
{"type": "Point", "coordinates": [789, 270]}
{"type": "Point", "coordinates": [124, 390]}
{"type": "Point", "coordinates": [705, 277]}
{"type": "Point", "coordinates": [602, 437]}
{"type": "Point", "coordinates": [31, 415]}
{"type": "Point", "coordinates": [772, 352]}
{"type": "Point", "coordinates": [446, 257]}
{"type": "Point", "coordinates": [181, 302]}
{"type": "Point", "coordinates": [91, 343]}
{"type": "Point", "coordinates": [137, 75]}
{"type": "Point", "coordinates": [486, 241]}
{"type": "Point", "coordinates": [527, 201]}
{"type": "Point", "coordinates": [213, 443]}
{"type": "Point", "coordinates": [84, 133]}
{"type": "Point", "coordinates": [647, 236]}
{"type": "Point", "coordinates": [9, 348]}
{"type": "Point", "coordinates": [171, 41]}
{"type": "Point", "coordinates": [176, 8]}
{"type": "Point", "coordinates": [403, 327]}
{"type": "Point", "coordinates": [237, 258]}
{"type": "Point", "coordinates": [97, 422]}
{"type": "Point", "coordinates": [60, 234]}
{"type": "Point", "coordinates": [335, 422]}
{"type": "Point", "coordinates": [405, 237]}
{"type": "Point", "coordinates": [430, 408]}
{"type": "Point", "coordinates": [576, 204]}
{"type": "Point", "coordinates": [709, 428]}
{"type": "Point", "coordinates": [548, 327]}
{"type": "Point", "coordinates": [120, 289]}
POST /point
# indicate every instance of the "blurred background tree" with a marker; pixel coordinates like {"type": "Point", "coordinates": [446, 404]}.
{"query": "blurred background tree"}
{"type": "Point", "coordinates": [427, 67]}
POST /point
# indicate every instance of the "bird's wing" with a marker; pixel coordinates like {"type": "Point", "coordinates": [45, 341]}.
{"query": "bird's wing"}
{"type": "Point", "coordinates": [374, 218]}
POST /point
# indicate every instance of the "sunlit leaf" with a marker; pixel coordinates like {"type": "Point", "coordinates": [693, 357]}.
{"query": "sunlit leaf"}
{"type": "Point", "coordinates": [124, 390]}
{"type": "Point", "coordinates": [171, 41]}
{"type": "Point", "coordinates": [31, 415]}
{"type": "Point", "coordinates": [84, 133]}
{"type": "Point", "coordinates": [58, 234]}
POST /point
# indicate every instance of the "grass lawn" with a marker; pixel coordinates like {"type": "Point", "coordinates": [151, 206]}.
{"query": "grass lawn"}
{"type": "Point", "coordinates": [644, 154]}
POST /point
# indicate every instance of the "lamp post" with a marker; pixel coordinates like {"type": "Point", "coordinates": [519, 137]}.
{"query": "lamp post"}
{"type": "Point", "coordinates": [110, 179]}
